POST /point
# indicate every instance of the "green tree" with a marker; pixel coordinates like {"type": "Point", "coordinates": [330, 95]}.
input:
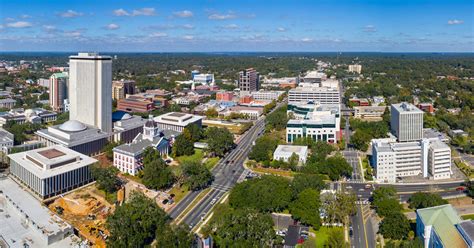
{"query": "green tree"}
{"type": "Point", "coordinates": [336, 238]}
{"type": "Point", "coordinates": [425, 200]}
{"type": "Point", "coordinates": [306, 181]}
{"type": "Point", "coordinates": [242, 228]}
{"type": "Point", "coordinates": [134, 223]}
{"type": "Point", "coordinates": [157, 175]}
{"type": "Point", "coordinates": [395, 226]}
{"type": "Point", "coordinates": [264, 148]}
{"type": "Point", "coordinates": [337, 167]}
{"type": "Point", "coordinates": [192, 132]}
{"type": "Point", "coordinates": [211, 113]}
{"type": "Point", "coordinates": [306, 208]}
{"type": "Point", "coordinates": [219, 140]}
{"type": "Point", "coordinates": [106, 178]}
{"type": "Point", "coordinates": [277, 119]}
{"type": "Point", "coordinates": [268, 193]}
{"type": "Point", "coordinates": [360, 140]}
{"type": "Point", "coordinates": [182, 146]}
{"type": "Point", "coordinates": [150, 154]}
{"type": "Point", "coordinates": [382, 193]}
{"type": "Point", "coordinates": [171, 236]}
{"type": "Point", "coordinates": [197, 176]}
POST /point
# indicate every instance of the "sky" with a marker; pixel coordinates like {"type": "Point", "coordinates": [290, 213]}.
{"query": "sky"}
{"type": "Point", "coordinates": [237, 25]}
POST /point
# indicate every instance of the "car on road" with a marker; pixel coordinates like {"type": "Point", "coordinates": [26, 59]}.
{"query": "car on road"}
{"type": "Point", "coordinates": [203, 215]}
{"type": "Point", "coordinates": [213, 201]}
{"type": "Point", "coordinates": [461, 188]}
{"type": "Point", "coordinates": [349, 187]}
{"type": "Point", "coordinates": [368, 186]}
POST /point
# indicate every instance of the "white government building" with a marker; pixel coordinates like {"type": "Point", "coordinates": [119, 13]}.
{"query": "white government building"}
{"type": "Point", "coordinates": [314, 120]}
{"type": "Point", "coordinates": [284, 152]}
{"type": "Point", "coordinates": [409, 154]}
{"type": "Point", "coordinates": [406, 122]}
{"type": "Point", "coordinates": [90, 95]}
{"type": "Point", "coordinates": [323, 95]}
{"type": "Point", "coordinates": [51, 171]}
{"type": "Point", "coordinates": [177, 121]}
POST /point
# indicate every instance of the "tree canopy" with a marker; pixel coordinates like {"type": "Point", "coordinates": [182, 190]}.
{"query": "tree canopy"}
{"type": "Point", "coordinates": [306, 208]}
{"type": "Point", "coordinates": [134, 223]}
{"type": "Point", "coordinates": [219, 140]}
{"type": "Point", "coordinates": [425, 200]}
{"type": "Point", "coordinates": [268, 193]}
{"type": "Point", "coordinates": [157, 175]}
{"type": "Point", "coordinates": [197, 176]}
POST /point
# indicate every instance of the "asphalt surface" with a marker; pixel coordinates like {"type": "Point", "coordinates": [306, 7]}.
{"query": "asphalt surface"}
{"type": "Point", "coordinates": [226, 173]}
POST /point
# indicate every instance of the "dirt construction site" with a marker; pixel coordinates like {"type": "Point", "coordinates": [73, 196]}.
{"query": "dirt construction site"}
{"type": "Point", "coordinates": [86, 209]}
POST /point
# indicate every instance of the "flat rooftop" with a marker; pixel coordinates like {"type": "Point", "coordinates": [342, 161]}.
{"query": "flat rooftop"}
{"type": "Point", "coordinates": [177, 118]}
{"type": "Point", "coordinates": [51, 161]}
{"type": "Point", "coordinates": [15, 230]}
{"type": "Point", "coordinates": [405, 107]}
{"type": "Point", "coordinates": [291, 149]}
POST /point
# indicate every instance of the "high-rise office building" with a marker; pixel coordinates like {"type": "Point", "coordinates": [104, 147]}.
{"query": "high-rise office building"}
{"type": "Point", "coordinates": [248, 81]}
{"type": "Point", "coordinates": [58, 90]}
{"type": "Point", "coordinates": [122, 88]}
{"type": "Point", "coordinates": [90, 94]}
{"type": "Point", "coordinates": [406, 122]}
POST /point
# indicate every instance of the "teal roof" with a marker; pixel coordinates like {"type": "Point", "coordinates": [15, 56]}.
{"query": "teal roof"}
{"type": "Point", "coordinates": [443, 220]}
{"type": "Point", "coordinates": [60, 75]}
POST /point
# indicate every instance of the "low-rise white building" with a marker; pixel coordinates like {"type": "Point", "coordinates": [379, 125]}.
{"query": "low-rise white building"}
{"type": "Point", "coordinates": [262, 95]}
{"type": "Point", "coordinates": [26, 222]}
{"type": "Point", "coordinates": [284, 152]}
{"type": "Point", "coordinates": [7, 103]}
{"type": "Point", "coordinates": [318, 121]}
{"type": "Point", "coordinates": [177, 121]}
{"type": "Point", "coordinates": [51, 171]}
{"type": "Point", "coordinates": [426, 158]}
{"type": "Point", "coordinates": [369, 112]}
{"type": "Point", "coordinates": [203, 78]}
{"type": "Point", "coordinates": [75, 135]}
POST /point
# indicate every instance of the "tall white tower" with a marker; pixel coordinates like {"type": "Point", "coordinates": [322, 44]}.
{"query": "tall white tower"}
{"type": "Point", "coordinates": [90, 94]}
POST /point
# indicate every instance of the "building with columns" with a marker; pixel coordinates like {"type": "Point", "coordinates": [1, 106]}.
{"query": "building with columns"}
{"type": "Point", "coordinates": [128, 157]}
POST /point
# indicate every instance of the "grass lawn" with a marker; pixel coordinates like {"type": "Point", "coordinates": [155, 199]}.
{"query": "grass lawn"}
{"type": "Point", "coordinates": [197, 156]}
{"type": "Point", "coordinates": [179, 192]}
{"type": "Point", "coordinates": [468, 217]}
{"type": "Point", "coordinates": [277, 172]}
{"type": "Point", "coordinates": [133, 178]}
{"type": "Point", "coordinates": [321, 235]}
{"type": "Point", "coordinates": [211, 162]}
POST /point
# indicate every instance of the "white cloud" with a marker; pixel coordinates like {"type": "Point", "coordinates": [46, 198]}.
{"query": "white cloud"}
{"type": "Point", "coordinates": [188, 37]}
{"type": "Point", "coordinates": [370, 29]}
{"type": "Point", "coordinates": [49, 28]}
{"type": "Point", "coordinates": [75, 33]}
{"type": "Point", "coordinates": [70, 14]}
{"type": "Point", "coordinates": [230, 26]}
{"type": "Point", "coordinates": [221, 17]}
{"type": "Point", "coordinates": [19, 24]}
{"type": "Point", "coordinates": [306, 40]}
{"type": "Point", "coordinates": [158, 35]}
{"type": "Point", "coordinates": [144, 12]}
{"type": "Point", "coordinates": [135, 12]}
{"type": "Point", "coordinates": [455, 22]}
{"type": "Point", "coordinates": [9, 19]}
{"type": "Point", "coordinates": [121, 12]}
{"type": "Point", "coordinates": [112, 26]}
{"type": "Point", "coordinates": [188, 26]}
{"type": "Point", "coordinates": [281, 29]}
{"type": "Point", "coordinates": [24, 16]}
{"type": "Point", "coordinates": [183, 14]}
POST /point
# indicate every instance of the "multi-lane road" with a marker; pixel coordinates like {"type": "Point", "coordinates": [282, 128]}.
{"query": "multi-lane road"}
{"type": "Point", "coordinates": [226, 174]}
